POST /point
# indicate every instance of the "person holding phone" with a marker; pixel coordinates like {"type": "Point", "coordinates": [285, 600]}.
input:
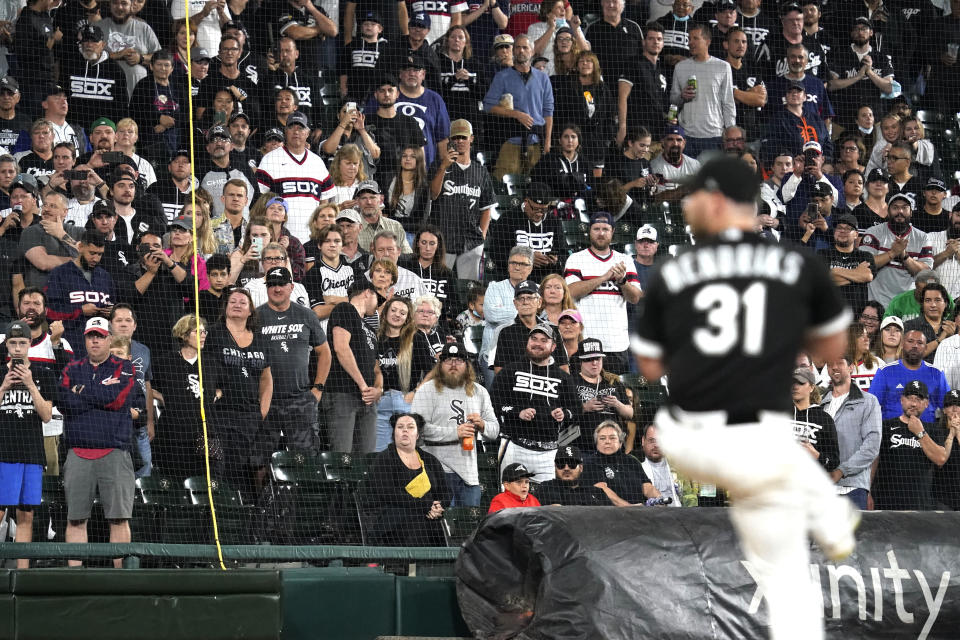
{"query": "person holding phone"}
{"type": "Point", "coordinates": [23, 408]}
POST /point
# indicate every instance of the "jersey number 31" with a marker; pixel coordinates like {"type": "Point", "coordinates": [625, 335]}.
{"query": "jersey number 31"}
{"type": "Point", "coordinates": [732, 317]}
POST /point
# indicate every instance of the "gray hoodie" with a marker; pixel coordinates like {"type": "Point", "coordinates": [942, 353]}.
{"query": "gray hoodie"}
{"type": "Point", "coordinates": [858, 432]}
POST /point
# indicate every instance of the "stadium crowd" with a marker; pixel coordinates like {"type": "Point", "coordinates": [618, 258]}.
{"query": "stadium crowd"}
{"type": "Point", "coordinates": [423, 229]}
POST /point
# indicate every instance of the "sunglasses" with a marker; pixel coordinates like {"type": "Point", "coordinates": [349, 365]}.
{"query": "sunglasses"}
{"type": "Point", "coordinates": [567, 465]}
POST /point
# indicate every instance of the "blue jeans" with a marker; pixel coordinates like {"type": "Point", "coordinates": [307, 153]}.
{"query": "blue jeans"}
{"type": "Point", "coordinates": [696, 146]}
{"type": "Point", "coordinates": [859, 498]}
{"type": "Point", "coordinates": [464, 495]}
{"type": "Point", "coordinates": [391, 402]}
{"type": "Point", "coordinates": [143, 449]}
{"type": "Point", "coordinates": [486, 371]}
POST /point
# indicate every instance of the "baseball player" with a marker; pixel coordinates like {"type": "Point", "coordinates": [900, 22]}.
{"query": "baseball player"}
{"type": "Point", "coordinates": [730, 315]}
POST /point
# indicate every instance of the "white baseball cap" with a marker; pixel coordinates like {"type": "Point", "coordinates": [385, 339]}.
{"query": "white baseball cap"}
{"type": "Point", "coordinates": [647, 232]}
{"type": "Point", "coordinates": [889, 320]}
{"type": "Point", "coordinates": [97, 325]}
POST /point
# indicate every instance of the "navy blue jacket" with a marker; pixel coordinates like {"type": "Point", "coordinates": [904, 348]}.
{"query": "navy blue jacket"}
{"type": "Point", "coordinates": [98, 417]}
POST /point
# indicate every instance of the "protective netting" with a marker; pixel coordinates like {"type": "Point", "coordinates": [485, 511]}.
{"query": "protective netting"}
{"type": "Point", "coordinates": [319, 217]}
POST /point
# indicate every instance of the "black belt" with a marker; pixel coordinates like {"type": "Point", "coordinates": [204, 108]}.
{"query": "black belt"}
{"type": "Point", "coordinates": [445, 443]}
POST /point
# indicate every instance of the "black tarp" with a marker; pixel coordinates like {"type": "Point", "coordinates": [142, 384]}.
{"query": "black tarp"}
{"type": "Point", "coordinates": [556, 573]}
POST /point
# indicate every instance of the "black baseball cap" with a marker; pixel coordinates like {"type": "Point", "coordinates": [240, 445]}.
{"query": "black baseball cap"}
{"type": "Point", "coordinates": [178, 153]}
{"type": "Point", "coordinates": [274, 134]}
{"type": "Point", "coordinates": [217, 131]}
{"type": "Point", "coordinates": [848, 219]}
{"type": "Point", "coordinates": [876, 175]}
{"type": "Point", "coordinates": [568, 454]}
{"type": "Point", "coordinates": [935, 183]}
{"type": "Point", "coordinates": [90, 33]}
{"type": "Point", "coordinates": [300, 118]}
{"type": "Point", "coordinates": [864, 20]}
{"type": "Point", "coordinates": [372, 16]}
{"type": "Point", "coordinates": [602, 217]}
{"type": "Point", "coordinates": [527, 287]}
{"type": "Point", "coordinates": [538, 192]}
{"type": "Point", "coordinates": [278, 277]}
{"type": "Point", "coordinates": [916, 388]}
{"type": "Point", "coordinates": [453, 350]}
{"type": "Point", "coordinates": [53, 90]}
{"type": "Point", "coordinates": [102, 210]}
{"type": "Point", "coordinates": [787, 7]}
{"type": "Point", "coordinates": [8, 83]}
{"type": "Point", "coordinates": [796, 85]}
{"type": "Point", "coordinates": [729, 176]}
{"type": "Point", "coordinates": [952, 398]}
{"type": "Point", "coordinates": [414, 60]}
{"type": "Point", "coordinates": [821, 190]}
{"type": "Point", "coordinates": [544, 328]}
{"type": "Point", "coordinates": [590, 348]}
{"type": "Point", "coordinates": [236, 116]}
{"type": "Point", "coordinates": [421, 20]}
{"type": "Point", "coordinates": [17, 329]}
{"type": "Point", "coordinates": [515, 471]}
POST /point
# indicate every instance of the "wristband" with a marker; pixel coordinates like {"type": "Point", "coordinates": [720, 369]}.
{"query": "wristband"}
{"type": "Point", "coordinates": [319, 386]}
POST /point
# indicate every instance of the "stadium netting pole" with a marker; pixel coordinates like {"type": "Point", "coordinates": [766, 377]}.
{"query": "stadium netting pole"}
{"type": "Point", "coordinates": [196, 298]}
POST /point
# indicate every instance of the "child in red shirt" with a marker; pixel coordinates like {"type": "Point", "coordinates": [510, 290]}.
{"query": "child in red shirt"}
{"type": "Point", "coordinates": [516, 482]}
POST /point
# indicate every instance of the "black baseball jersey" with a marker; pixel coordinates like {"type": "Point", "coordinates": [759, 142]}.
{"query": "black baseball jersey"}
{"type": "Point", "coordinates": [362, 62]}
{"type": "Point", "coordinates": [758, 29]}
{"type": "Point", "coordinates": [904, 472]}
{"type": "Point", "coordinates": [845, 63]}
{"type": "Point", "coordinates": [729, 316]}
{"type": "Point", "coordinates": [305, 83]}
{"type": "Point", "coordinates": [94, 89]}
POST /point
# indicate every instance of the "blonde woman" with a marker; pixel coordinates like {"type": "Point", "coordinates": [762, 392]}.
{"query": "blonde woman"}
{"type": "Point", "coordinates": [889, 344]}
{"type": "Point", "coordinates": [351, 129]}
{"type": "Point", "coordinates": [276, 210]}
{"type": "Point", "coordinates": [183, 250]}
{"type": "Point", "coordinates": [346, 171]}
{"type": "Point", "coordinates": [207, 244]}
{"type": "Point", "coordinates": [321, 218]}
{"type": "Point", "coordinates": [128, 133]}
{"type": "Point", "coordinates": [555, 297]}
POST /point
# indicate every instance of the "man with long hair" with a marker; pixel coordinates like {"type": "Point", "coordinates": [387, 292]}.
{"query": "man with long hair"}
{"type": "Point", "coordinates": [456, 411]}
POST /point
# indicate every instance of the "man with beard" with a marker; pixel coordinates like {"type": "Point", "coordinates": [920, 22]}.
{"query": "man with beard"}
{"type": "Point", "coordinates": [81, 289]}
{"type": "Point", "coordinates": [391, 129]}
{"type": "Point", "coordinates": [946, 252]}
{"type": "Point", "coordinates": [174, 191]}
{"type": "Point", "coordinates": [642, 91]}
{"type": "Point", "coordinates": [893, 378]}
{"type": "Point", "coordinates": [856, 415]}
{"type": "Point", "coordinates": [792, 33]}
{"type": "Point", "coordinates": [12, 120]}
{"type": "Point", "coordinates": [900, 250]}
{"type": "Point", "coordinates": [96, 85]}
{"type": "Point", "coordinates": [911, 445]}
{"type": "Point", "coordinates": [116, 255]}
{"type": "Point", "coordinates": [656, 467]}
{"type": "Point", "coordinates": [565, 489]}
{"type": "Point", "coordinates": [534, 400]}
{"type": "Point", "coordinates": [370, 206]}
{"type": "Point", "coordinates": [932, 217]}
{"type": "Point", "coordinates": [859, 73]}
{"type": "Point", "coordinates": [672, 164]}
{"type": "Point", "coordinates": [219, 167]}
{"type": "Point", "coordinates": [749, 91]}
{"type": "Point", "coordinates": [134, 219]}
{"type": "Point", "coordinates": [512, 338]}
{"type": "Point", "coordinates": [457, 411]}
{"type": "Point", "coordinates": [227, 76]}
{"type": "Point", "coordinates": [303, 79]}
{"type": "Point", "coordinates": [239, 128]}
{"type": "Point", "coordinates": [852, 269]}
{"type": "Point", "coordinates": [130, 42]}
{"type": "Point", "coordinates": [21, 213]}
{"type": "Point", "coordinates": [899, 159]}
{"type": "Point", "coordinates": [817, 97]}
{"type": "Point", "coordinates": [48, 349]}
{"type": "Point", "coordinates": [532, 227]}
{"type": "Point", "coordinates": [602, 281]}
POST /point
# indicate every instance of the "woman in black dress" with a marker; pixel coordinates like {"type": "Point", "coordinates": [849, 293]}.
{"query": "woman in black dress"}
{"type": "Point", "coordinates": [409, 487]}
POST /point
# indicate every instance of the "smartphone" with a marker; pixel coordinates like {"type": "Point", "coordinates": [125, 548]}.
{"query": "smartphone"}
{"type": "Point", "coordinates": [16, 362]}
{"type": "Point", "coordinates": [813, 210]}
{"type": "Point", "coordinates": [113, 157]}
{"type": "Point", "coordinates": [257, 245]}
{"type": "Point", "coordinates": [75, 175]}
{"type": "Point", "coordinates": [350, 107]}
{"type": "Point", "coordinates": [143, 250]}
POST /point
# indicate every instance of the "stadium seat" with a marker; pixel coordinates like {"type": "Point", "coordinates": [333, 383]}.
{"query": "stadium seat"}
{"type": "Point", "coordinates": [515, 183]}
{"type": "Point", "coordinates": [488, 467]}
{"type": "Point", "coordinates": [306, 503]}
{"type": "Point", "coordinates": [168, 513]}
{"type": "Point", "coordinates": [343, 467]}
{"type": "Point", "coordinates": [234, 519]}
{"type": "Point", "coordinates": [460, 522]}
{"type": "Point", "coordinates": [464, 287]}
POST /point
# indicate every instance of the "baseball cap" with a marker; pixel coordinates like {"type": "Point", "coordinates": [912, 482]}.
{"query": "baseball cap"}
{"type": "Point", "coordinates": [590, 348]}
{"type": "Point", "coordinates": [821, 190]}
{"type": "Point", "coordinates": [9, 84]}
{"type": "Point", "coordinates": [538, 192]}
{"type": "Point", "coordinates": [461, 127]}
{"type": "Point", "coordinates": [796, 84]}
{"type": "Point", "coordinates": [952, 398]}
{"type": "Point", "coordinates": [413, 60]}
{"type": "Point", "coordinates": [368, 186]}
{"type": "Point", "coordinates": [420, 19]}
{"type": "Point", "coordinates": [573, 314]}
{"type": "Point", "coordinates": [916, 388]}
{"type": "Point", "coordinates": [90, 33]}
{"type": "Point", "coordinates": [17, 329]}
{"type": "Point", "coordinates": [568, 454]}
{"type": "Point", "coordinates": [538, 59]}
{"type": "Point", "coordinates": [527, 287]}
{"type": "Point", "coordinates": [97, 325]}
{"type": "Point", "coordinates": [25, 185]}
{"type": "Point", "coordinates": [372, 16]}
{"type": "Point", "coordinates": [217, 131]}
{"type": "Point", "coordinates": [53, 90]}
{"type": "Point", "coordinates": [515, 471]}
{"type": "Point", "coordinates": [453, 350]}
{"type": "Point", "coordinates": [358, 286]}
{"type": "Point", "coordinates": [300, 118]}
{"type": "Point", "coordinates": [935, 183]}
{"type": "Point", "coordinates": [602, 216]}
{"type": "Point", "coordinates": [804, 374]}
{"type": "Point", "coordinates": [103, 121]}
{"type": "Point", "coordinates": [927, 276]}
{"type": "Point", "coordinates": [864, 20]}
{"type": "Point", "coordinates": [198, 53]}
{"type": "Point", "coordinates": [273, 134]}
{"type": "Point", "coordinates": [237, 115]}
{"type": "Point", "coordinates": [544, 328]}
{"type": "Point", "coordinates": [876, 175]}
{"type": "Point", "coordinates": [647, 232]}
{"type": "Point", "coordinates": [278, 276]}
{"type": "Point", "coordinates": [902, 196]}
{"type": "Point", "coordinates": [813, 145]}
{"type": "Point", "coordinates": [503, 40]}
{"type": "Point", "coordinates": [233, 24]}
{"type": "Point", "coordinates": [277, 200]}
{"type": "Point", "coordinates": [102, 209]}
{"type": "Point", "coordinates": [889, 320]}
{"type": "Point", "coordinates": [729, 176]}
{"type": "Point", "coordinates": [847, 219]}
{"type": "Point", "coordinates": [787, 7]}
{"type": "Point", "coordinates": [674, 130]}
{"type": "Point", "coordinates": [184, 222]}
{"type": "Point", "coordinates": [726, 5]}
{"type": "Point", "coordinates": [349, 214]}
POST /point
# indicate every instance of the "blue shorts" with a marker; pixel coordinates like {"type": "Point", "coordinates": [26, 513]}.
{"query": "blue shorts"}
{"type": "Point", "coordinates": [20, 484]}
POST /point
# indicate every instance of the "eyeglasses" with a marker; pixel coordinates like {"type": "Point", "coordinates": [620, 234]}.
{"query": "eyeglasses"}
{"type": "Point", "coordinates": [869, 318]}
{"type": "Point", "coordinates": [516, 263]}
{"type": "Point", "coordinates": [851, 149]}
{"type": "Point", "coordinates": [201, 332]}
{"type": "Point", "coordinates": [566, 465]}
{"type": "Point", "coordinates": [454, 360]}
{"type": "Point", "coordinates": [455, 138]}
{"type": "Point", "coordinates": [427, 312]}
{"type": "Point", "coordinates": [565, 39]}
{"type": "Point", "coordinates": [274, 259]}
{"type": "Point", "coordinates": [526, 299]}
{"type": "Point", "coordinates": [898, 158]}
